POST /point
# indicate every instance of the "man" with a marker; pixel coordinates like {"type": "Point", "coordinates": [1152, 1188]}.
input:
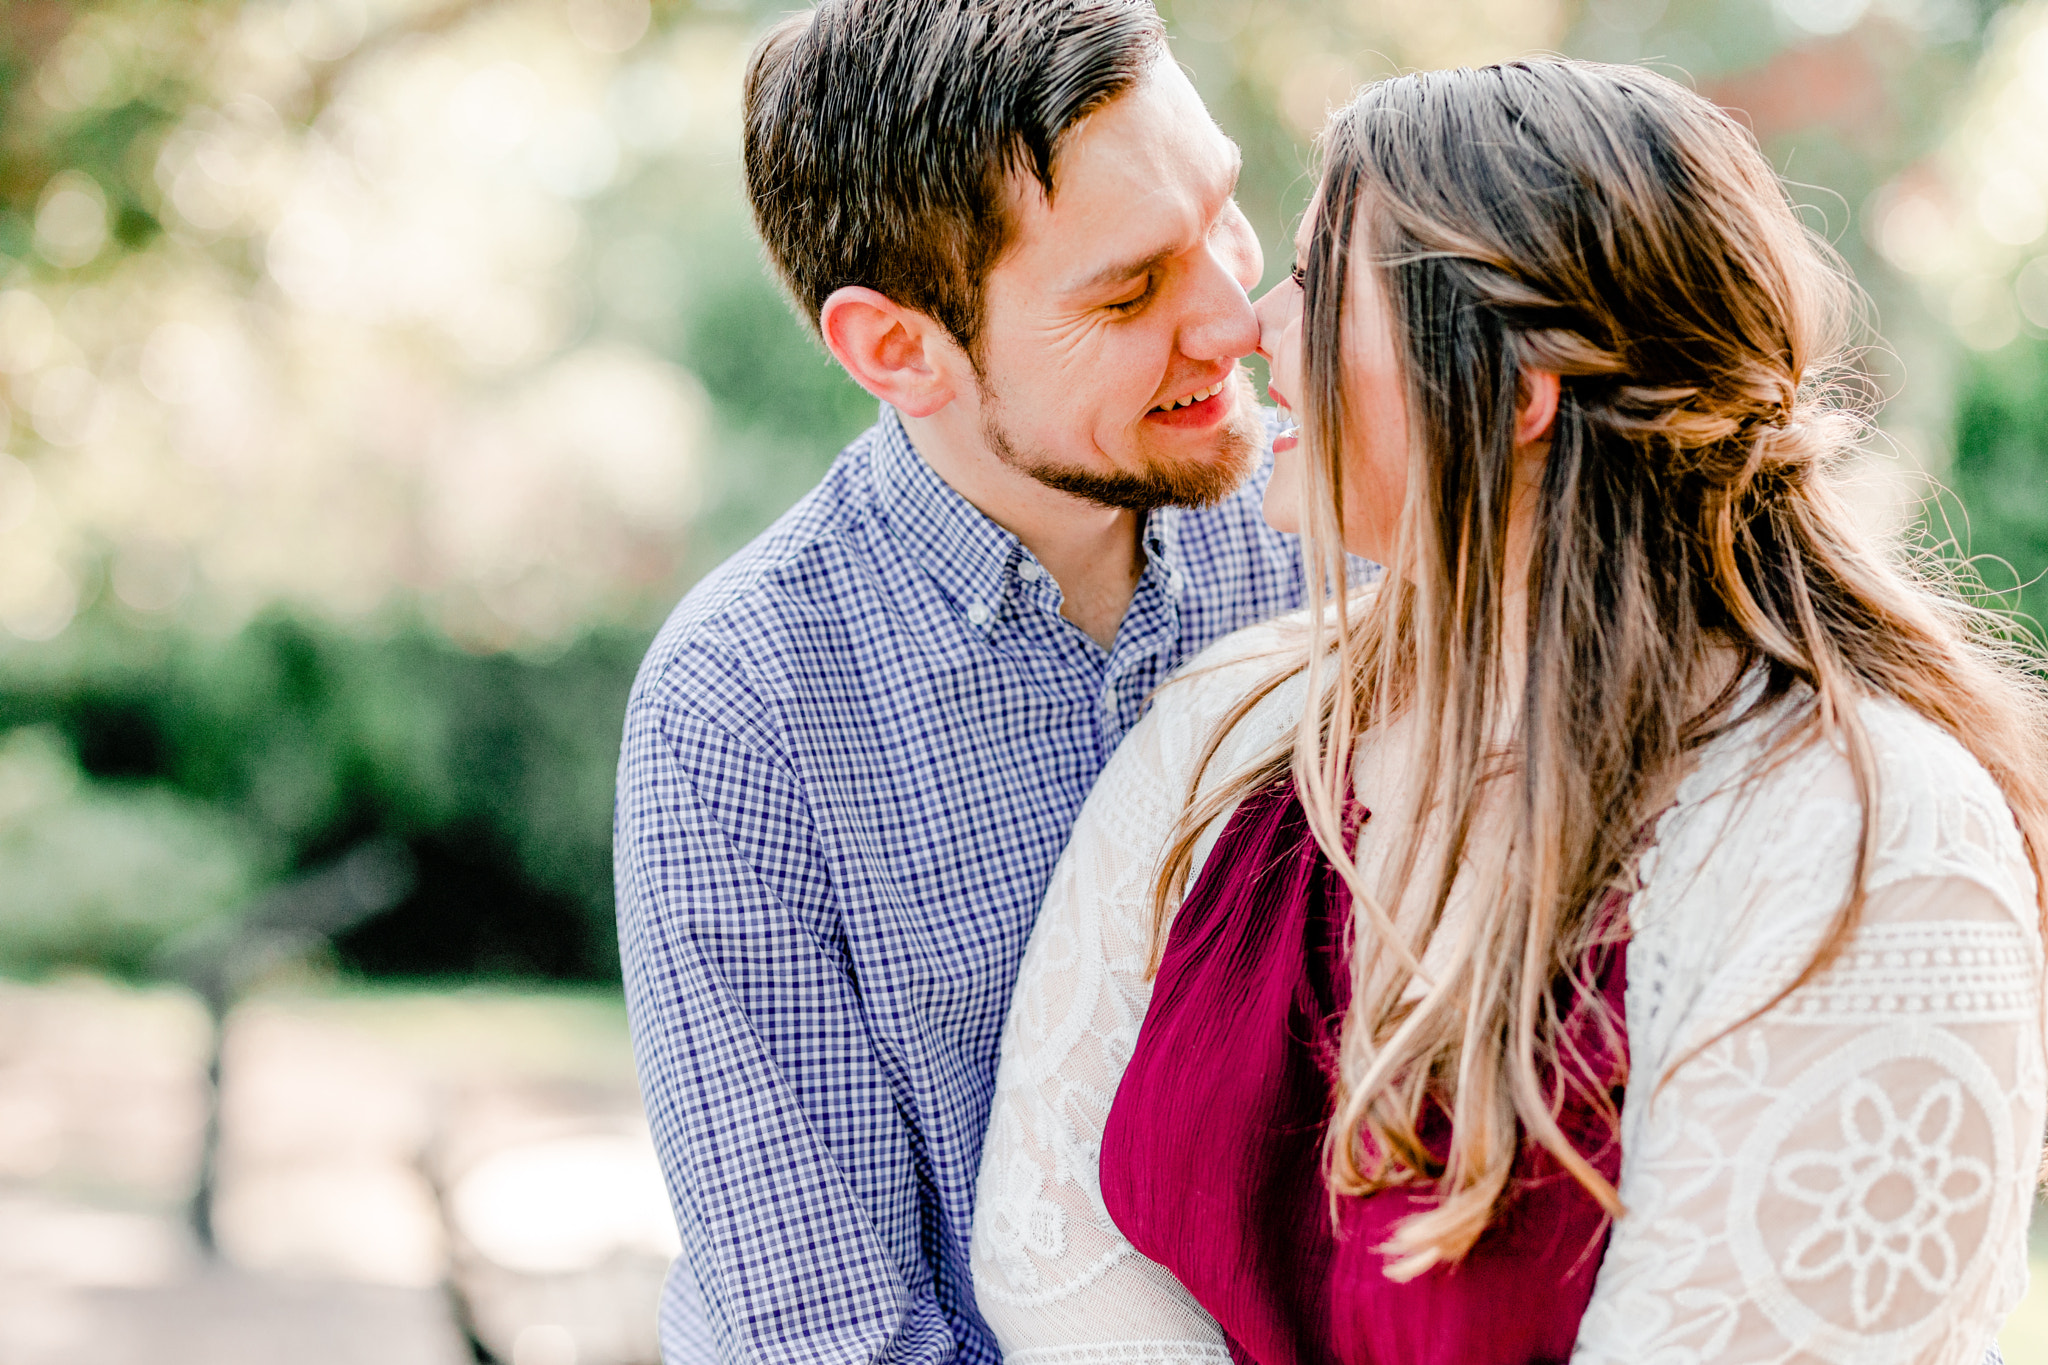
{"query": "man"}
{"type": "Point", "coordinates": [854, 752]}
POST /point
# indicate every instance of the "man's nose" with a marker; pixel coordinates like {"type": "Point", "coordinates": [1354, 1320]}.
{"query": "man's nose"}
{"type": "Point", "coordinates": [1220, 321]}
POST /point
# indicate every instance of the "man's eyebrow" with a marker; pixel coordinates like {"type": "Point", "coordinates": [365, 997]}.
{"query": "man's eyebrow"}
{"type": "Point", "coordinates": [1122, 270]}
{"type": "Point", "coordinates": [1129, 269]}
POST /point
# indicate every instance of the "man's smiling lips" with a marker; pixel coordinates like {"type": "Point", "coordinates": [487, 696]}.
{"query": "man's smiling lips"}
{"type": "Point", "coordinates": [1203, 407]}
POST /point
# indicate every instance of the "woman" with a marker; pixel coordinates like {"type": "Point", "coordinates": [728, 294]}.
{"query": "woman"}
{"type": "Point", "coordinates": [1618, 934]}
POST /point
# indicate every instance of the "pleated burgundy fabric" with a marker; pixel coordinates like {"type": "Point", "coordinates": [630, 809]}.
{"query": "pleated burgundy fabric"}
{"type": "Point", "coordinates": [1211, 1157]}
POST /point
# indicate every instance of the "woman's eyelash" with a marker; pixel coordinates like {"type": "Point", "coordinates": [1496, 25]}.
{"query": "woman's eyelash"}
{"type": "Point", "coordinates": [1299, 275]}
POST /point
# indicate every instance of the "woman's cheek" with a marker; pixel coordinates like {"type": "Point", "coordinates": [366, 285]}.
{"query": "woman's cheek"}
{"type": "Point", "coordinates": [1373, 497]}
{"type": "Point", "coordinates": [1282, 506]}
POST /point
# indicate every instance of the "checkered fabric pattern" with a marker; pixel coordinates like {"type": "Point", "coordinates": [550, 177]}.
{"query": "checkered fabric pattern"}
{"type": "Point", "coordinates": [851, 760]}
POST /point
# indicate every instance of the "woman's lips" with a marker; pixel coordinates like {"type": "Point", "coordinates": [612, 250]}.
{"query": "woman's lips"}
{"type": "Point", "coordinates": [1290, 436]}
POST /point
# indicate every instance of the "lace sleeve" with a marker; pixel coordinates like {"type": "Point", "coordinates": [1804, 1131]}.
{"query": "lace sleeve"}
{"type": "Point", "coordinates": [1053, 1277]}
{"type": "Point", "coordinates": [1847, 1178]}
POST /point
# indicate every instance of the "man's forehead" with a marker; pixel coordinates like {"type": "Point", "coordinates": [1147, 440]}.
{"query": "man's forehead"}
{"type": "Point", "coordinates": [1159, 131]}
{"type": "Point", "coordinates": [1138, 178]}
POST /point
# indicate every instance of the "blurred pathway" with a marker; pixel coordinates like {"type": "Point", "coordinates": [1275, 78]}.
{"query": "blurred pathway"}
{"type": "Point", "coordinates": [377, 1148]}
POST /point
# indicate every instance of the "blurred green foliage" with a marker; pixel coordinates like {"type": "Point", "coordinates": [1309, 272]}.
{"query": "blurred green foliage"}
{"type": "Point", "coordinates": [2001, 474]}
{"type": "Point", "coordinates": [103, 874]}
{"type": "Point", "coordinates": [206, 765]}
{"type": "Point", "coordinates": [299, 740]}
{"type": "Point", "coordinates": [783, 407]}
{"type": "Point", "coordinates": [156, 772]}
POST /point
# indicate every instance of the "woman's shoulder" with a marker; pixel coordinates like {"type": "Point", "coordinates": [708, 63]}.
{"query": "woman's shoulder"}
{"type": "Point", "coordinates": [1764, 840]}
{"type": "Point", "coordinates": [1777, 775]}
{"type": "Point", "coordinates": [1205, 688]}
{"type": "Point", "coordinates": [1939, 812]}
{"type": "Point", "coordinates": [1265, 661]}
{"type": "Point", "coordinates": [1750, 868]}
{"type": "Point", "coordinates": [1918, 760]}
{"type": "Point", "coordinates": [1238, 661]}
{"type": "Point", "coordinates": [1285, 635]}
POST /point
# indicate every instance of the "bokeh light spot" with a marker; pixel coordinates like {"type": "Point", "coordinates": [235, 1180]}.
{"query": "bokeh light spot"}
{"type": "Point", "coordinates": [494, 110]}
{"type": "Point", "coordinates": [324, 30]}
{"type": "Point", "coordinates": [71, 221]}
{"type": "Point", "coordinates": [608, 26]}
{"type": "Point", "coordinates": [79, 75]}
{"type": "Point", "coordinates": [27, 331]}
{"type": "Point", "coordinates": [38, 599]}
{"type": "Point", "coordinates": [2030, 291]}
{"type": "Point", "coordinates": [2010, 209]}
{"type": "Point", "coordinates": [66, 408]}
{"type": "Point", "coordinates": [544, 1343]}
{"type": "Point", "coordinates": [648, 106]}
{"type": "Point", "coordinates": [17, 493]}
{"type": "Point", "coordinates": [1824, 17]}
{"type": "Point", "coordinates": [576, 158]}
{"type": "Point", "coordinates": [560, 1206]}
{"type": "Point", "coordinates": [1984, 314]}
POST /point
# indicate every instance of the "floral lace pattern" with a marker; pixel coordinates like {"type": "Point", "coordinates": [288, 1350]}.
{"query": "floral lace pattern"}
{"type": "Point", "coordinates": [1848, 1234]}
{"type": "Point", "coordinates": [1845, 1178]}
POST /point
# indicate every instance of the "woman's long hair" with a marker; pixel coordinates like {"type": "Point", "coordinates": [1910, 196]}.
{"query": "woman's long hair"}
{"type": "Point", "coordinates": [1607, 225]}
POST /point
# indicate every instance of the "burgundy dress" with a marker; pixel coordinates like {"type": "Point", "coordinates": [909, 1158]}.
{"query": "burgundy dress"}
{"type": "Point", "coordinates": [1212, 1153]}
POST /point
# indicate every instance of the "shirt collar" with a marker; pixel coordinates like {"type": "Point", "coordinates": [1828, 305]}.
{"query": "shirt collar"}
{"type": "Point", "coordinates": [965, 553]}
{"type": "Point", "coordinates": [1162, 537]}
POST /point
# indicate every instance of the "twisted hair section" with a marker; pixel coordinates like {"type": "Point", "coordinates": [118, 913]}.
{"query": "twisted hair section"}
{"type": "Point", "coordinates": [1608, 226]}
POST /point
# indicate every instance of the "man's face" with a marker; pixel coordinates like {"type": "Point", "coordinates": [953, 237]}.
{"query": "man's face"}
{"type": "Point", "coordinates": [1119, 301]}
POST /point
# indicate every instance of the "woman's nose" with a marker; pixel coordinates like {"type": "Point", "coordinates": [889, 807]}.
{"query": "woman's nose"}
{"type": "Point", "coordinates": [1273, 313]}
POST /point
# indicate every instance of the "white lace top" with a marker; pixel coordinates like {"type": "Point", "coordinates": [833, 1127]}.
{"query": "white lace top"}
{"type": "Point", "coordinates": [1845, 1179]}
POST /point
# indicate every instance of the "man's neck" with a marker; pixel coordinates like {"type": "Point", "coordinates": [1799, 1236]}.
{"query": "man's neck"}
{"type": "Point", "coordinates": [1091, 551]}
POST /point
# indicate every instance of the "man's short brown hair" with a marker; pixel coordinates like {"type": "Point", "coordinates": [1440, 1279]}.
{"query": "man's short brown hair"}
{"type": "Point", "coordinates": [880, 135]}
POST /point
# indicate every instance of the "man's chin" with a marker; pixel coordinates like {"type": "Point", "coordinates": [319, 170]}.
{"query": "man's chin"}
{"type": "Point", "coordinates": [1191, 479]}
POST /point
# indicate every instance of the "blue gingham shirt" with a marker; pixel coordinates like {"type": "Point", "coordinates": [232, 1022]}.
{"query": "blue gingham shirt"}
{"type": "Point", "coordinates": [851, 760]}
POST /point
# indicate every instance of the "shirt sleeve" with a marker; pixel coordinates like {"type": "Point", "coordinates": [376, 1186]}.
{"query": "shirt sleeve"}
{"type": "Point", "coordinates": [791, 1170]}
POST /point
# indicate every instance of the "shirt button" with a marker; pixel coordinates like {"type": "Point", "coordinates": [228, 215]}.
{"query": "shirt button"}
{"type": "Point", "coordinates": [977, 614]}
{"type": "Point", "coordinates": [1176, 581]}
{"type": "Point", "coordinates": [1029, 571]}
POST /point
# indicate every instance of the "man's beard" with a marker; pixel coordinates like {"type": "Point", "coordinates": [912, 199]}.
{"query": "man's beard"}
{"type": "Point", "coordinates": [1181, 483]}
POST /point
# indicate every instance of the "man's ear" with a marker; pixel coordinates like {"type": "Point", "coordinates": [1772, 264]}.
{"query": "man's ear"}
{"type": "Point", "coordinates": [897, 354]}
{"type": "Point", "coordinates": [1538, 408]}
